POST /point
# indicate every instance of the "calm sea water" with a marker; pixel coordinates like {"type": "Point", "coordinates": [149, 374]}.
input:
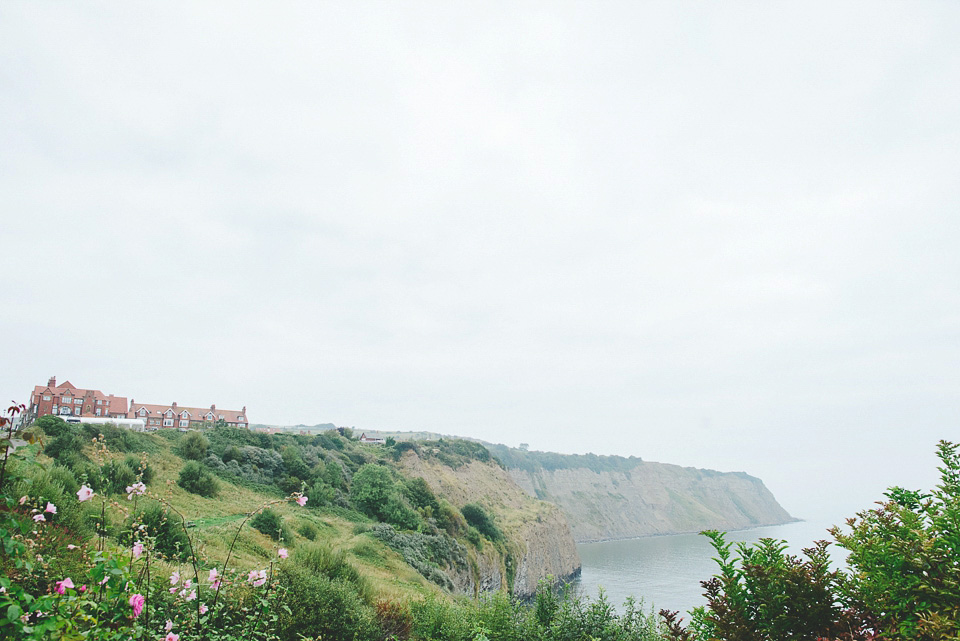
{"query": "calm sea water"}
{"type": "Point", "coordinates": [665, 571]}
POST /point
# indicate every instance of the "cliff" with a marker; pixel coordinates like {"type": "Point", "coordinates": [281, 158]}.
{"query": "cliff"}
{"type": "Point", "coordinates": [538, 540]}
{"type": "Point", "coordinates": [611, 497]}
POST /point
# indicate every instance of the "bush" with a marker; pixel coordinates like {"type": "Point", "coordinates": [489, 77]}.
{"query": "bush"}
{"type": "Point", "coordinates": [118, 439]}
{"type": "Point", "coordinates": [308, 531]}
{"type": "Point", "coordinates": [478, 518]}
{"type": "Point", "coordinates": [166, 530]}
{"type": "Point", "coordinates": [141, 468]}
{"type": "Point", "coordinates": [194, 447]}
{"type": "Point", "coordinates": [232, 453]}
{"type": "Point", "coordinates": [198, 480]}
{"type": "Point", "coordinates": [53, 426]}
{"type": "Point", "coordinates": [270, 523]}
{"type": "Point", "coordinates": [117, 476]}
{"type": "Point", "coordinates": [65, 444]}
{"type": "Point", "coordinates": [375, 494]}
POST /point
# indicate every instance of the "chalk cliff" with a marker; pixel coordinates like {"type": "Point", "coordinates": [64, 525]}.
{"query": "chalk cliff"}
{"type": "Point", "coordinates": [538, 542]}
{"type": "Point", "coordinates": [615, 497]}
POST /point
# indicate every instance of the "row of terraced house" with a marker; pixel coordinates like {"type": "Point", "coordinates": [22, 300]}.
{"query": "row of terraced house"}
{"type": "Point", "coordinates": [66, 399]}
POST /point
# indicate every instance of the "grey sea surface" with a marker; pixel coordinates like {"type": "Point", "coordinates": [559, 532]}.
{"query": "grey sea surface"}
{"type": "Point", "coordinates": [665, 571]}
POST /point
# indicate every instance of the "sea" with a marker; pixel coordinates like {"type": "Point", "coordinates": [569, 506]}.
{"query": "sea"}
{"type": "Point", "coordinates": [665, 571]}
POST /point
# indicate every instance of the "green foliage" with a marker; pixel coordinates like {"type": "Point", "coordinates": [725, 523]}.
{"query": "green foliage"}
{"type": "Point", "coordinates": [140, 467]}
{"type": "Point", "coordinates": [477, 517]}
{"type": "Point", "coordinates": [308, 531]}
{"type": "Point", "coordinates": [193, 447]}
{"type": "Point", "coordinates": [197, 479]}
{"type": "Point", "coordinates": [118, 439]}
{"type": "Point", "coordinates": [117, 476]}
{"type": "Point", "coordinates": [324, 598]}
{"type": "Point", "coordinates": [420, 496]}
{"type": "Point", "coordinates": [232, 453]}
{"type": "Point", "coordinates": [513, 458]}
{"type": "Point", "coordinates": [53, 426]}
{"type": "Point", "coordinates": [375, 493]}
{"type": "Point", "coordinates": [905, 557]}
{"type": "Point", "coordinates": [270, 523]}
{"type": "Point", "coordinates": [164, 528]}
{"type": "Point", "coordinates": [768, 595]}
{"type": "Point", "coordinates": [453, 452]}
{"type": "Point", "coordinates": [429, 554]}
{"type": "Point", "coordinates": [65, 443]}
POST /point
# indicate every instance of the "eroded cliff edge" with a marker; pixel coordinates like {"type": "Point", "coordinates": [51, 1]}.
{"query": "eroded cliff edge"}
{"type": "Point", "coordinates": [611, 497]}
{"type": "Point", "coordinates": [539, 540]}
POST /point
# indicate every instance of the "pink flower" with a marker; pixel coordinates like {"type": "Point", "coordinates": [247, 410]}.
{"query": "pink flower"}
{"type": "Point", "coordinates": [23, 499]}
{"type": "Point", "coordinates": [137, 488]}
{"type": "Point", "coordinates": [104, 579]}
{"type": "Point", "coordinates": [171, 637]}
{"type": "Point", "coordinates": [136, 602]}
{"type": "Point", "coordinates": [215, 585]}
{"type": "Point", "coordinates": [203, 609]}
{"type": "Point", "coordinates": [84, 493]}
{"type": "Point", "coordinates": [257, 578]}
{"type": "Point", "coordinates": [252, 576]}
{"type": "Point", "coordinates": [173, 590]}
{"type": "Point", "coordinates": [137, 549]}
{"type": "Point", "coordinates": [168, 626]}
{"type": "Point", "coordinates": [83, 588]}
{"type": "Point", "coordinates": [63, 585]}
{"type": "Point", "coordinates": [192, 595]}
{"type": "Point", "coordinates": [213, 575]}
{"type": "Point", "coordinates": [71, 546]}
{"type": "Point", "coordinates": [301, 501]}
{"type": "Point", "coordinates": [51, 508]}
{"type": "Point", "coordinates": [175, 578]}
{"type": "Point", "coordinates": [282, 553]}
{"type": "Point", "coordinates": [39, 517]}
{"type": "Point", "coordinates": [187, 584]}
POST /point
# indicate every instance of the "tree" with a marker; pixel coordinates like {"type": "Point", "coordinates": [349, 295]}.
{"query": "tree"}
{"type": "Point", "coordinates": [905, 557]}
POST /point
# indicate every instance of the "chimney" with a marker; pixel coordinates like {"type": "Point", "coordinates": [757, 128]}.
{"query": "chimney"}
{"type": "Point", "coordinates": [174, 406]}
{"type": "Point", "coordinates": [213, 408]}
{"type": "Point", "coordinates": [52, 382]}
{"type": "Point", "coordinates": [244, 410]}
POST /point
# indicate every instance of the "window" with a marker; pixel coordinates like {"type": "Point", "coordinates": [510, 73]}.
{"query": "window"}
{"type": "Point", "coordinates": [143, 412]}
{"type": "Point", "coordinates": [241, 424]}
{"type": "Point", "coordinates": [209, 416]}
{"type": "Point", "coordinates": [241, 419]}
{"type": "Point", "coordinates": [54, 409]}
{"type": "Point", "coordinates": [46, 397]}
{"type": "Point", "coordinates": [169, 413]}
{"type": "Point", "coordinates": [78, 401]}
{"type": "Point", "coordinates": [168, 422]}
{"type": "Point", "coordinates": [65, 410]}
{"type": "Point", "coordinates": [184, 414]}
{"type": "Point", "coordinates": [184, 423]}
{"type": "Point", "coordinates": [98, 411]}
{"type": "Point", "coordinates": [99, 402]}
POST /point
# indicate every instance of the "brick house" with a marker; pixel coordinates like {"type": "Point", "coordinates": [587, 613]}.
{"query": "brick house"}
{"type": "Point", "coordinates": [68, 400]}
{"type": "Point", "coordinates": [174, 415]}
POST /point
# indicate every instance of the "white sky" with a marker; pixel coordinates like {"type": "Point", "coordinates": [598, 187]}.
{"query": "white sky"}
{"type": "Point", "coordinates": [715, 234]}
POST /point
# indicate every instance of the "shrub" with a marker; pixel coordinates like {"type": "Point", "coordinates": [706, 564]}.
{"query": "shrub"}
{"type": "Point", "coordinates": [117, 476]}
{"type": "Point", "coordinates": [141, 468]}
{"type": "Point", "coordinates": [478, 518]}
{"type": "Point", "coordinates": [194, 447]}
{"type": "Point", "coordinates": [308, 531]}
{"type": "Point", "coordinates": [166, 529]}
{"type": "Point", "coordinates": [198, 480]}
{"type": "Point", "coordinates": [53, 426]}
{"type": "Point", "coordinates": [232, 453]}
{"type": "Point", "coordinates": [64, 444]}
{"type": "Point", "coordinates": [118, 439]}
{"type": "Point", "coordinates": [270, 523]}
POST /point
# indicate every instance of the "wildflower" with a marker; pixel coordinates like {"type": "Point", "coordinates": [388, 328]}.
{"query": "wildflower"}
{"type": "Point", "coordinates": [215, 585]}
{"type": "Point", "coordinates": [84, 493]}
{"type": "Point", "coordinates": [104, 579]}
{"type": "Point", "coordinates": [168, 626]}
{"type": "Point", "coordinates": [51, 508]}
{"type": "Point", "coordinates": [175, 578]}
{"type": "Point", "coordinates": [252, 576]}
{"type": "Point", "coordinates": [136, 602]}
{"type": "Point", "coordinates": [23, 499]}
{"type": "Point", "coordinates": [213, 575]}
{"type": "Point", "coordinates": [137, 549]}
{"type": "Point", "coordinates": [39, 517]}
{"type": "Point", "coordinates": [203, 609]}
{"type": "Point", "coordinates": [282, 553]}
{"type": "Point", "coordinates": [83, 588]}
{"type": "Point", "coordinates": [63, 585]}
{"type": "Point", "coordinates": [192, 596]}
{"type": "Point", "coordinates": [187, 584]}
{"type": "Point", "coordinates": [171, 637]}
{"type": "Point", "coordinates": [137, 488]}
{"type": "Point", "coordinates": [173, 590]}
{"type": "Point", "coordinates": [301, 501]}
{"type": "Point", "coordinates": [71, 546]}
{"type": "Point", "coordinates": [257, 578]}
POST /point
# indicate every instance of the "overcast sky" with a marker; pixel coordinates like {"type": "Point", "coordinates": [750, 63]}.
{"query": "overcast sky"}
{"type": "Point", "coordinates": [724, 235]}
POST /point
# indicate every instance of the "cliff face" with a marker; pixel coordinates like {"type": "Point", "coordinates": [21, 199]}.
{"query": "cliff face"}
{"type": "Point", "coordinates": [636, 498]}
{"type": "Point", "coordinates": [538, 542]}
